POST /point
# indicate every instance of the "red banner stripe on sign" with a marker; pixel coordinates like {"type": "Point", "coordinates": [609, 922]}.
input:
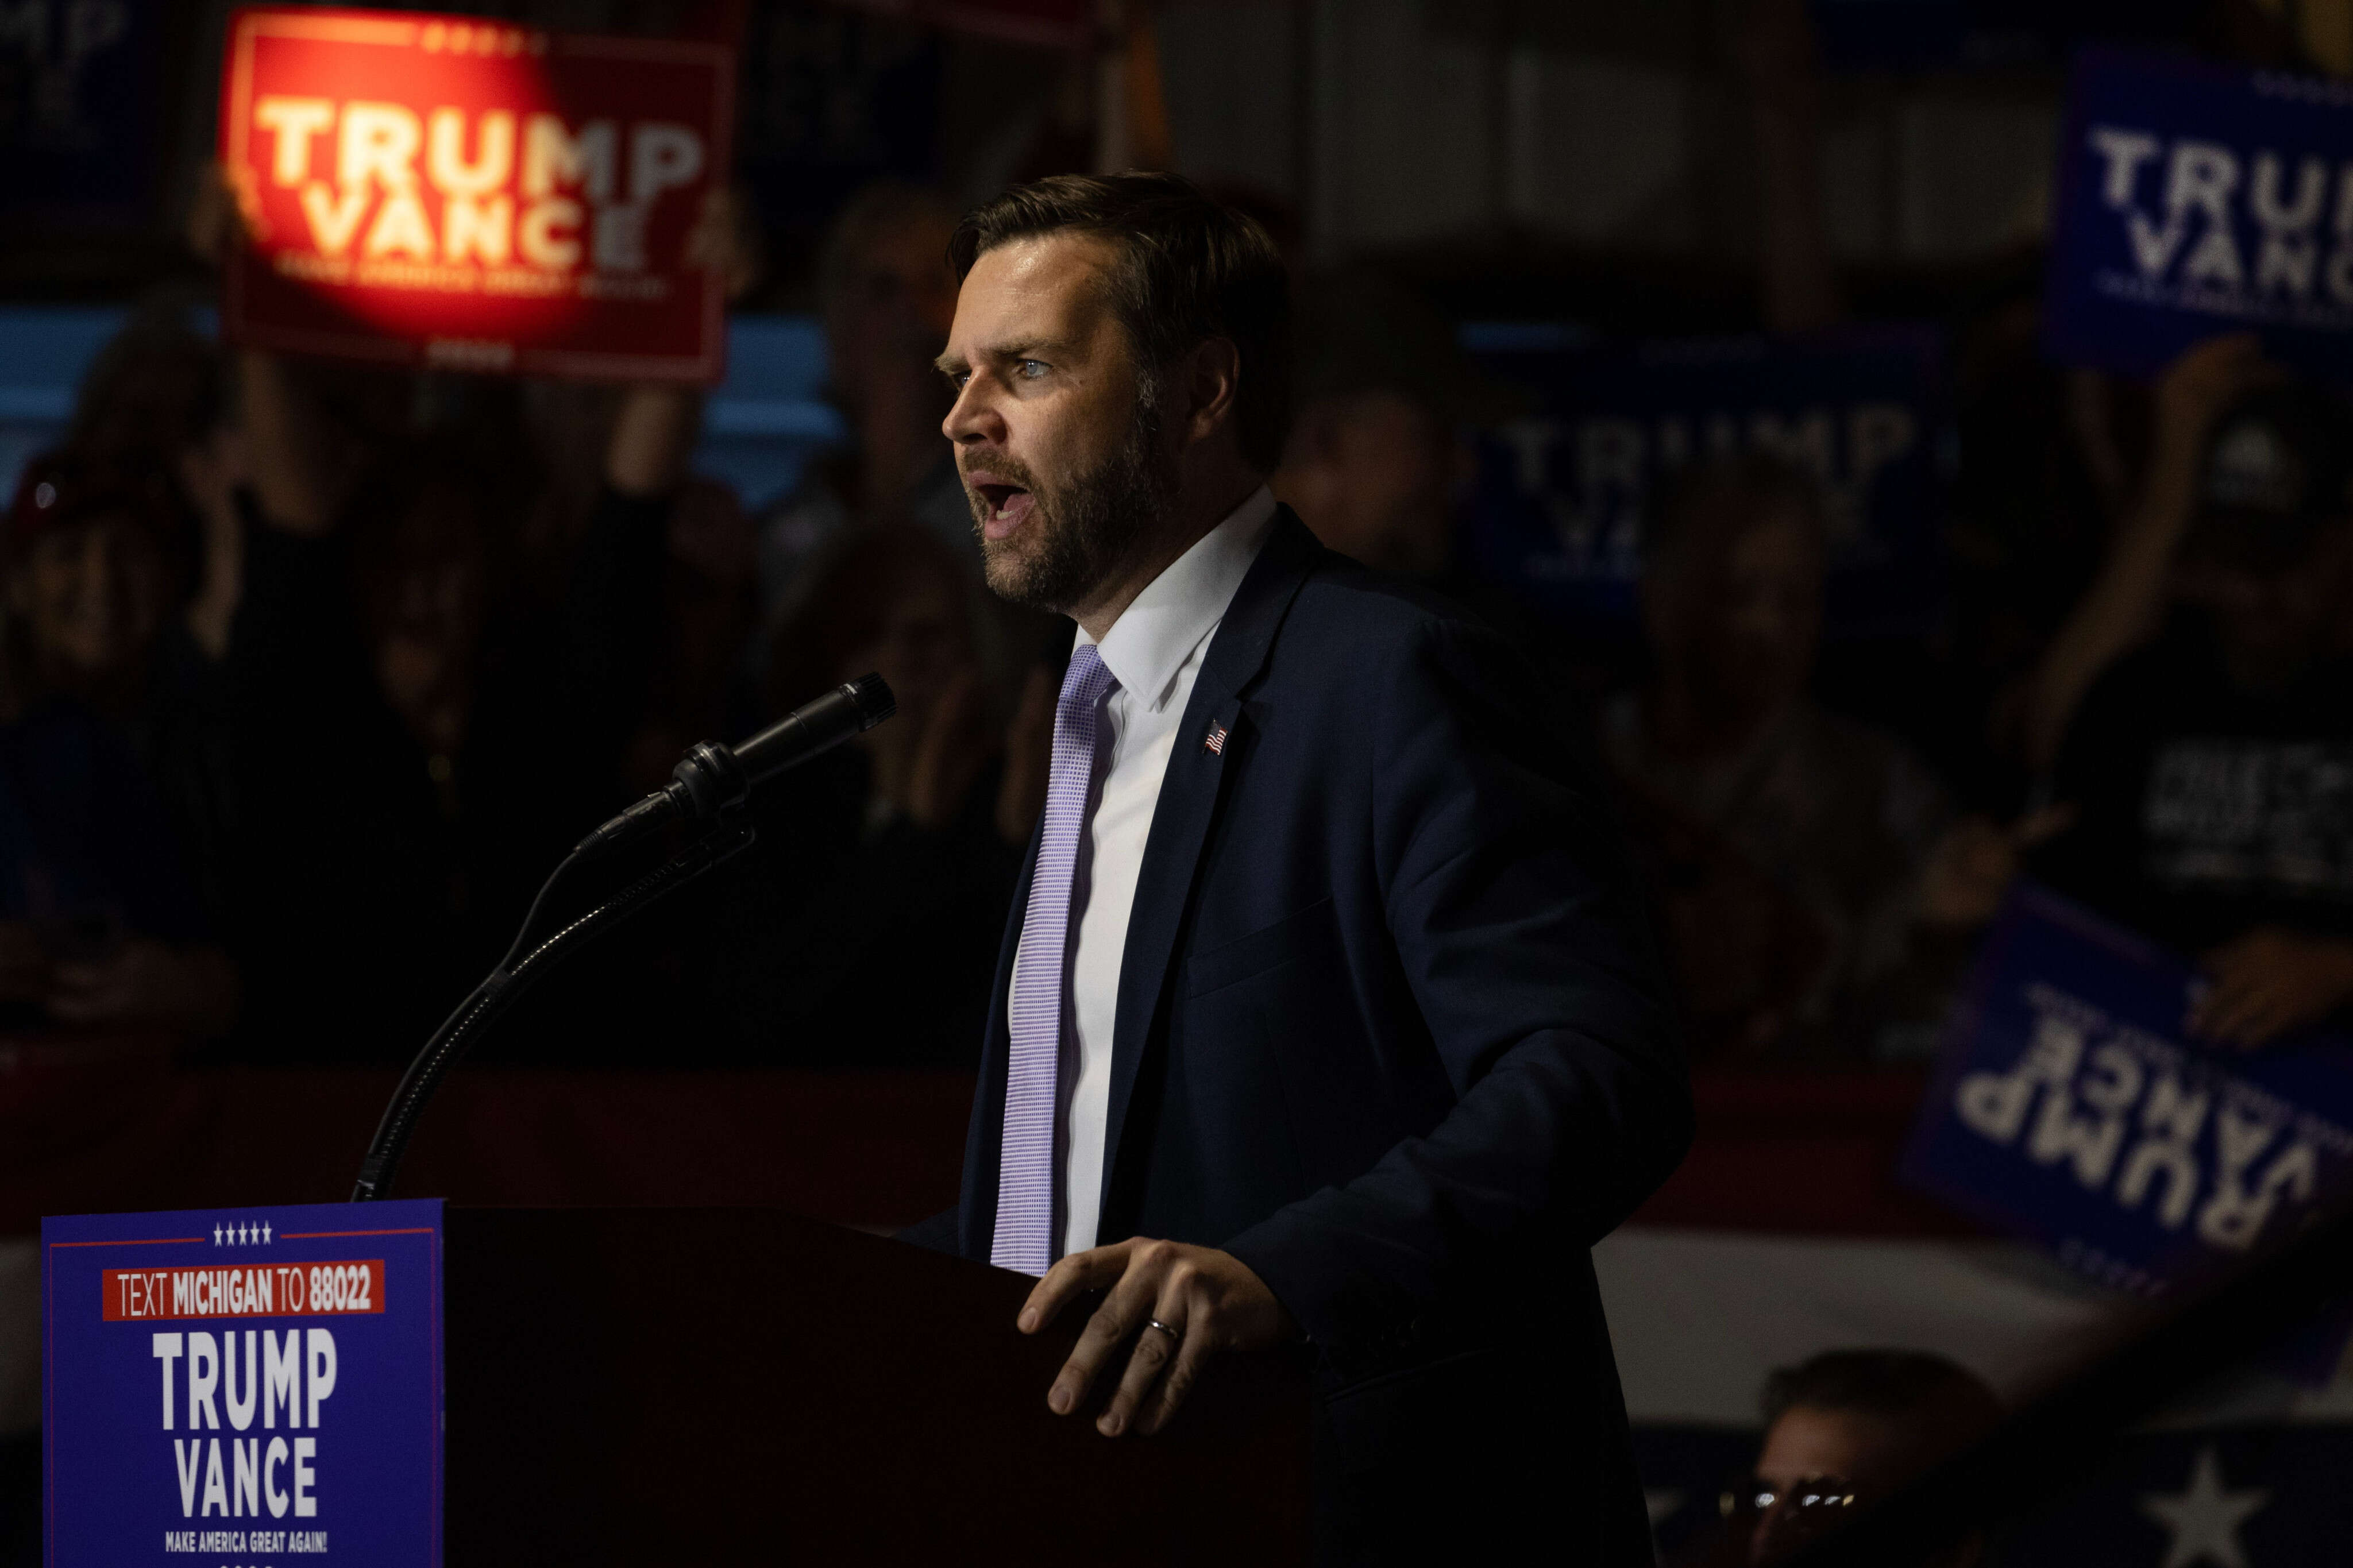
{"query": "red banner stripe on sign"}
{"type": "Point", "coordinates": [244, 1291]}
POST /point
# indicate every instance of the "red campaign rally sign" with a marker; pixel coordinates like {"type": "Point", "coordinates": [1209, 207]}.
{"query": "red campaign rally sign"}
{"type": "Point", "coordinates": [461, 193]}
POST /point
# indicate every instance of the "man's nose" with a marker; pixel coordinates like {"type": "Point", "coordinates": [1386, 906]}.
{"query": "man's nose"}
{"type": "Point", "coordinates": [971, 418]}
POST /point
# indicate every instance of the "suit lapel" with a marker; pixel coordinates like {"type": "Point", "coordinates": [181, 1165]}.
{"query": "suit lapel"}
{"type": "Point", "coordinates": [1191, 794]}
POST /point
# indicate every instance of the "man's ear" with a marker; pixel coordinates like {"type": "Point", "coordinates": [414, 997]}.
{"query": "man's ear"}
{"type": "Point", "coordinates": [1209, 381]}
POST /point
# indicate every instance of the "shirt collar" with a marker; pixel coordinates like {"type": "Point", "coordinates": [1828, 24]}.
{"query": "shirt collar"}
{"type": "Point", "coordinates": [1179, 609]}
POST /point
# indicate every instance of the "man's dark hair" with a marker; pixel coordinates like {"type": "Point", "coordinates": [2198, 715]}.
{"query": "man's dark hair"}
{"type": "Point", "coordinates": [1192, 270]}
{"type": "Point", "coordinates": [1884, 1382]}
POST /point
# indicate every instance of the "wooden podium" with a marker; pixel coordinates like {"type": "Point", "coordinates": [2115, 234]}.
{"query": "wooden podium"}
{"type": "Point", "coordinates": [740, 1386]}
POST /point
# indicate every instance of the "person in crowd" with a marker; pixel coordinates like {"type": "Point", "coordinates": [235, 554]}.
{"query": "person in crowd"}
{"type": "Point", "coordinates": [417, 739]}
{"type": "Point", "coordinates": [2049, 457]}
{"type": "Point", "coordinates": [101, 922]}
{"type": "Point", "coordinates": [708, 611]}
{"type": "Point", "coordinates": [1809, 867]}
{"type": "Point", "coordinates": [2209, 760]}
{"type": "Point", "coordinates": [1846, 1428]}
{"type": "Point", "coordinates": [862, 927]}
{"type": "Point", "coordinates": [1374, 461]}
{"type": "Point", "coordinates": [157, 403]}
{"type": "Point", "coordinates": [886, 297]}
{"type": "Point", "coordinates": [2124, 601]}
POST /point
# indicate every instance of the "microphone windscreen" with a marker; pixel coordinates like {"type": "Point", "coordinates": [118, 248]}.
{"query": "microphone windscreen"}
{"type": "Point", "coordinates": [871, 694]}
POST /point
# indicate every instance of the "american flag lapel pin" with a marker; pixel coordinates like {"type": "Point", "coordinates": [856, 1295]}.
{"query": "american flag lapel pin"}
{"type": "Point", "coordinates": [1214, 743]}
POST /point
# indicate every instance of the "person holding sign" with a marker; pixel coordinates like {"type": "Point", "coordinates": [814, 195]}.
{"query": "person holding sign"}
{"type": "Point", "coordinates": [1326, 1013]}
{"type": "Point", "coordinates": [375, 635]}
{"type": "Point", "coordinates": [2212, 768]}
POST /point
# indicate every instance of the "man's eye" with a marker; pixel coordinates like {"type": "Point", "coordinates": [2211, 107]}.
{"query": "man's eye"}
{"type": "Point", "coordinates": [1031, 369]}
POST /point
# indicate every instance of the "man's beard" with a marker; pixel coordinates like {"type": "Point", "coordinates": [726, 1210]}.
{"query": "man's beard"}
{"type": "Point", "coordinates": [1080, 533]}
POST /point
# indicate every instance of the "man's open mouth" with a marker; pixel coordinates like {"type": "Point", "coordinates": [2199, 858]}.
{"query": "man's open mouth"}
{"type": "Point", "coordinates": [1009, 504]}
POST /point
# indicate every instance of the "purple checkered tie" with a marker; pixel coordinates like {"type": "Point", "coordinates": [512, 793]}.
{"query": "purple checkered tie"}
{"type": "Point", "coordinates": [1025, 1237]}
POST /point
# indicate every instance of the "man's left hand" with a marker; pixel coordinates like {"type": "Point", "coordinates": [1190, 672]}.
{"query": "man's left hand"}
{"type": "Point", "coordinates": [1210, 1301]}
{"type": "Point", "coordinates": [2271, 981]}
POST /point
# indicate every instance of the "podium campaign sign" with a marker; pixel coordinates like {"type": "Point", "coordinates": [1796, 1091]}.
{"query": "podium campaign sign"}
{"type": "Point", "coordinates": [473, 194]}
{"type": "Point", "coordinates": [2069, 1106]}
{"type": "Point", "coordinates": [1561, 491]}
{"type": "Point", "coordinates": [244, 1385]}
{"type": "Point", "coordinates": [2195, 199]}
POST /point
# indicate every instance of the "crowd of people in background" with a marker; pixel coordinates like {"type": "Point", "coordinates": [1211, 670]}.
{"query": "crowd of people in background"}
{"type": "Point", "coordinates": [313, 670]}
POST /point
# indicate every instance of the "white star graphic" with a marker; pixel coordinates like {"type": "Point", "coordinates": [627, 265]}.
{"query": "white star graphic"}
{"type": "Point", "coordinates": [264, 1231]}
{"type": "Point", "coordinates": [2203, 1516]}
{"type": "Point", "coordinates": [216, 1236]}
{"type": "Point", "coordinates": [244, 1233]}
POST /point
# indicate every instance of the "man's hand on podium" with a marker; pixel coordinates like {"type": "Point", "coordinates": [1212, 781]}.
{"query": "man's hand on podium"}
{"type": "Point", "coordinates": [1173, 1307]}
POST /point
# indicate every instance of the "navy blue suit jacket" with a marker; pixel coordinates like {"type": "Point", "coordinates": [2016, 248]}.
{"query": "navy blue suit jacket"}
{"type": "Point", "coordinates": [1391, 1029]}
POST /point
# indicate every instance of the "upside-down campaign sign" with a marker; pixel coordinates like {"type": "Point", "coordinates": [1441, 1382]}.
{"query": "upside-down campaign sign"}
{"type": "Point", "coordinates": [1564, 491]}
{"type": "Point", "coordinates": [453, 192]}
{"type": "Point", "coordinates": [244, 1386]}
{"type": "Point", "coordinates": [2194, 199]}
{"type": "Point", "coordinates": [2068, 1105]}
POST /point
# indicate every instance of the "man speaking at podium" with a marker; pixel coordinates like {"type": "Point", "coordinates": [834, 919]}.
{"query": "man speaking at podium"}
{"type": "Point", "coordinates": [1326, 1011]}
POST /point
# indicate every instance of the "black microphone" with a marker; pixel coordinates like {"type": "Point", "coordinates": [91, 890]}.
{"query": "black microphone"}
{"type": "Point", "coordinates": [712, 779]}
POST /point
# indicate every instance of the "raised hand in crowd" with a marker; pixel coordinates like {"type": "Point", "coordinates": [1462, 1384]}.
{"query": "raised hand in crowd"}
{"type": "Point", "coordinates": [1971, 867]}
{"type": "Point", "coordinates": [1780, 63]}
{"type": "Point", "coordinates": [297, 468]}
{"type": "Point", "coordinates": [144, 983]}
{"type": "Point", "coordinates": [132, 981]}
{"type": "Point", "coordinates": [2127, 601]}
{"type": "Point", "coordinates": [211, 473]}
{"type": "Point", "coordinates": [2270, 982]}
{"type": "Point", "coordinates": [655, 428]}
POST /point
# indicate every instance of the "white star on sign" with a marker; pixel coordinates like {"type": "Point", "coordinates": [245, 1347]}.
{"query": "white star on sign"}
{"type": "Point", "coordinates": [216, 1236]}
{"type": "Point", "coordinates": [265, 1232]}
{"type": "Point", "coordinates": [2204, 1518]}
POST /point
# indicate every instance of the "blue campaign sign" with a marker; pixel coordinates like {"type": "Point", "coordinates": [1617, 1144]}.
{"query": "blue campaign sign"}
{"type": "Point", "coordinates": [2194, 199]}
{"type": "Point", "coordinates": [2067, 1106]}
{"type": "Point", "coordinates": [244, 1385]}
{"type": "Point", "coordinates": [1557, 512]}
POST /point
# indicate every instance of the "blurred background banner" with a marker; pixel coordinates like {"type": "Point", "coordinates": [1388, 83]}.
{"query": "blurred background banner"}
{"type": "Point", "coordinates": [474, 196]}
{"type": "Point", "coordinates": [1562, 491]}
{"type": "Point", "coordinates": [2195, 198]}
{"type": "Point", "coordinates": [2068, 1108]}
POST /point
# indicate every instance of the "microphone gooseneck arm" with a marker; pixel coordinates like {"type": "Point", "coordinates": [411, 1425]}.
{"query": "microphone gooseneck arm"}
{"type": "Point", "coordinates": [709, 785]}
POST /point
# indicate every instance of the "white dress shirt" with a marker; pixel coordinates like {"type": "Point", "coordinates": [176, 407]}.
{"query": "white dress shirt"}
{"type": "Point", "coordinates": [1155, 650]}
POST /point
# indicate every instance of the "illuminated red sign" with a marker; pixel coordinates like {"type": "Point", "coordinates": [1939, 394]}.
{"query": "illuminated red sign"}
{"type": "Point", "coordinates": [455, 192]}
